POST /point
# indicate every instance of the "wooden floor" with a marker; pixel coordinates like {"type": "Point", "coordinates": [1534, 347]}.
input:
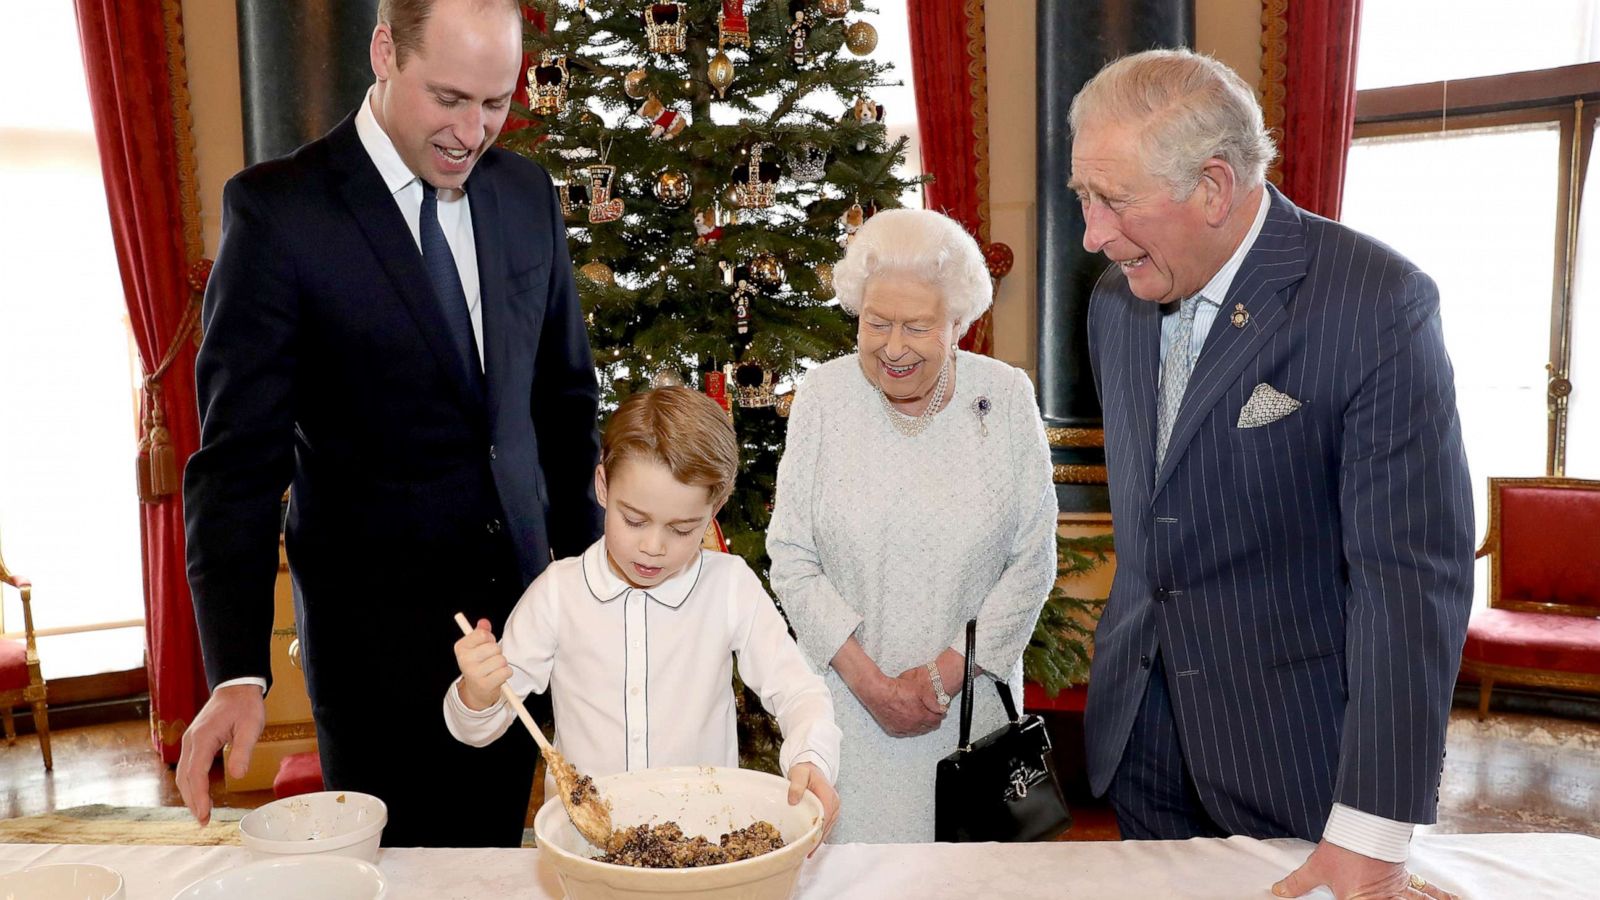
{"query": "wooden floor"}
{"type": "Point", "coordinates": [1513, 772]}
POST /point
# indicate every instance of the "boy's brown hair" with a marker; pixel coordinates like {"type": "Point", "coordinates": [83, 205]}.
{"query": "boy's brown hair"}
{"type": "Point", "coordinates": [684, 430]}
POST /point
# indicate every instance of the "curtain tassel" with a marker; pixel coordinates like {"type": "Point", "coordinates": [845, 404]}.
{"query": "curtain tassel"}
{"type": "Point", "coordinates": [157, 462]}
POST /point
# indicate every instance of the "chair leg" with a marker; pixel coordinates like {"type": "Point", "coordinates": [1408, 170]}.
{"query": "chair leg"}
{"type": "Point", "coordinates": [11, 728]}
{"type": "Point", "coordinates": [41, 724]}
{"type": "Point", "coordinates": [1485, 689]}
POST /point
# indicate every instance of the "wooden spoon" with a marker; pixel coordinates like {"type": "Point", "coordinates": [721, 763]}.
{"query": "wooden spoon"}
{"type": "Point", "coordinates": [588, 812]}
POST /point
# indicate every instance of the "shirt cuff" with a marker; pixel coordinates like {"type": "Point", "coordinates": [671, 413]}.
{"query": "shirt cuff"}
{"type": "Point", "coordinates": [258, 682]}
{"type": "Point", "coordinates": [1367, 834]}
{"type": "Point", "coordinates": [454, 703]}
{"type": "Point", "coordinates": [815, 758]}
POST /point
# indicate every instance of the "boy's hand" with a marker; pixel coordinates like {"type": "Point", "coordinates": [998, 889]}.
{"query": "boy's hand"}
{"type": "Point", "coordinates": [483, 668]}
{"type": "Point", "coordinates": [807, 777]}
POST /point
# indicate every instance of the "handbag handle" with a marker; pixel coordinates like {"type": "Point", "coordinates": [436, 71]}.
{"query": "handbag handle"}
{"type": "Point", "coordinates": [1001, 687]}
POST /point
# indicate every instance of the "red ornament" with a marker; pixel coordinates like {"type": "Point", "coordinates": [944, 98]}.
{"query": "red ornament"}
{"type": "Point", "coordinates": [717, 389]}
{"type": "Point", "coordinates": [999, 258]}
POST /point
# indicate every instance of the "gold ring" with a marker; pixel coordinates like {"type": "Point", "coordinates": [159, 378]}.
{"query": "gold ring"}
{"type": "Point", "coordinates": [1418, 882]}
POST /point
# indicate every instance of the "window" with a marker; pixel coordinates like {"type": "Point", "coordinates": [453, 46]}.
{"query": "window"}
{"type": "Point", "coordinates": [1475, 123]}
{"type": "Point", "coordinates": [69, 518]}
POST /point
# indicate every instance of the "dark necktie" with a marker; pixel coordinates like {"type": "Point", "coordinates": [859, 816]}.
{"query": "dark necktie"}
{"type": "Point", "coordinates": [446, 281]}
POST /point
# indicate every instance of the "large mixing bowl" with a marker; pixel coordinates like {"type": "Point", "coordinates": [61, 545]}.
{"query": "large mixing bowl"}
{"type": "Point", "coordinates": [703, 800]}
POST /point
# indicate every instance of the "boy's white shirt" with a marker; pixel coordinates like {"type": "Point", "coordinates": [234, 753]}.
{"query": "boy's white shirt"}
{"type": "Point", "coordinates": [643, 677]}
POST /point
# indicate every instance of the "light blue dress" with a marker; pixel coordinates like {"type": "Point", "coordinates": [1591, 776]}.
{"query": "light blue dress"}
{"type": "Point", "coordinates": [899, 541]}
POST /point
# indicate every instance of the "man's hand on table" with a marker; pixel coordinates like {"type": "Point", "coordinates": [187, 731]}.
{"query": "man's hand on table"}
{"type": "Point", "coordinates": [1352, 876]}
{"type": "Point", "coordinates": [234, 714]}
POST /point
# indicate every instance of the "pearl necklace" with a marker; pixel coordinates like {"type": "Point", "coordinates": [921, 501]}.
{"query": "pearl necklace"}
{"type": "Point", "coordinates": [911, 426]}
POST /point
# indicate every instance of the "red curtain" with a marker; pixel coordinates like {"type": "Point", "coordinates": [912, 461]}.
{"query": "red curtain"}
{"type": "Point", "coordinates": [948, 62]}
{"type": "Point", "coordinates": [133, 55]}
{"type": "Point", "coordinates": [1319, 99]}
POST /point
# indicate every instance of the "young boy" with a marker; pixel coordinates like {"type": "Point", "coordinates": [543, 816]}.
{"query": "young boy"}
{"type": "Point", "coordinates": [635, 638]}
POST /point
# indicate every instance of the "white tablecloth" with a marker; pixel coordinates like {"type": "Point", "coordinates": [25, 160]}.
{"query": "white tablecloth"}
{"type": "Point", "coordinates": [1475, 866]}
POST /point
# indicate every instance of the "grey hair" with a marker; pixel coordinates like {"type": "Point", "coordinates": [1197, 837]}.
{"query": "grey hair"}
{"type": "Point", "coordinates": [917, 244]}
{"type": "Point", "coordinates": [1192, 108]}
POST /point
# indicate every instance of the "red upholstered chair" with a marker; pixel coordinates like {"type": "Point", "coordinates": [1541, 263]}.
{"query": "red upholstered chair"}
{"type": "Point", "coordinates": [1542, 627]}
{"type": "Point", "coordinates": [20, 681]}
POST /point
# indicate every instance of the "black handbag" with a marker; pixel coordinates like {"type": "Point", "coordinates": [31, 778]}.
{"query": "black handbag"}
{"type": "Point", "coordinates": [1002, 787]}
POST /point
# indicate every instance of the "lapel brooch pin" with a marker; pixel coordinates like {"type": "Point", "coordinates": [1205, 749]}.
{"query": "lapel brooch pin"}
{"type": "Point", "coordinates": [980, 408]}
{"type": "Point", "coordinates": [1241, 316]}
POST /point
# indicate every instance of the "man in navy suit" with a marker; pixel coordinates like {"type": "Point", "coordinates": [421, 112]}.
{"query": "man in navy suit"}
{"type": "Point", "coordinates": [1289, 489]}
{"type": "Point", "coordinates": [392, 332]}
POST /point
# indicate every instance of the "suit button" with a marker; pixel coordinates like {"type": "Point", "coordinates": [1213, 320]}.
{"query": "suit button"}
{"type": "Point", "coordinates": [1161, 595]}
{"type": "Point", "coordinates": [493, 527]}
{"type": "Point", "coordinates": [1144, 661]}
{"type": "Point", "coordinates": [491, 452]}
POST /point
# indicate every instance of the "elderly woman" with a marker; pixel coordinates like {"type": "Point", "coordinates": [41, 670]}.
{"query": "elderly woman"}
{"type": "Point", "coordinates": [914, 495]}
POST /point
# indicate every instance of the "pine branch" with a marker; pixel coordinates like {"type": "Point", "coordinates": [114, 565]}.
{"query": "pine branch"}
{"type": "Point", "coordinates": [1058, 653]}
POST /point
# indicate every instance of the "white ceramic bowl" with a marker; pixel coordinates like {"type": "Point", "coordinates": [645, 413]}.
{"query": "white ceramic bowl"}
{"type": "Point", "coordinates": [301, 877]}
{"type": "Point", "coordinates": [703, 800]}
{"type": "Point", "coordinates": [344, 823]}
{"type": "Point", "coordinates": [73, 881]}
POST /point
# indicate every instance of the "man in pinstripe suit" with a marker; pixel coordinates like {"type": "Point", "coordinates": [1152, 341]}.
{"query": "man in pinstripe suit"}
{"type": "Point", "coordinates": [1290, 492]}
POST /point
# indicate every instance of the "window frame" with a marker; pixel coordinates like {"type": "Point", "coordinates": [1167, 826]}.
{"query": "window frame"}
{"type": "Point", "coordinates": [1567, 96]}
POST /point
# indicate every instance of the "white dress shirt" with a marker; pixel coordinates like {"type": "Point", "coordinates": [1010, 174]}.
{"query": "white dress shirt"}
{"type": "Point", "coordinates": [455, 211]}
{"type": "Point", "coordinates": [643, 677]}
{"type": "Point", "coordinates": [1348, 827]}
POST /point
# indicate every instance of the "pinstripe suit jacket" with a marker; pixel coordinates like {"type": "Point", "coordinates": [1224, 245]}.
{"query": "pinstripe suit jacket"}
{"type": "Point", "coordinates": [1307, 582]}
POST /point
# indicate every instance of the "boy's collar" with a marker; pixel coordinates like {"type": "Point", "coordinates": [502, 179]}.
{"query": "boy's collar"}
{"type": "Point", "coordinates": [605, 585]}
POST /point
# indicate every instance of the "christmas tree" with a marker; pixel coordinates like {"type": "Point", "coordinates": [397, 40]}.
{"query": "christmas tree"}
{"type": "Point", "coordinates": [713, 157]}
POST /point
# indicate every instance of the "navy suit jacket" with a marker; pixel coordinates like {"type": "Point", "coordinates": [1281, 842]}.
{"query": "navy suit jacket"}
{"type": "Point", "coordinates": [1307, 582]}
{"type": "Point", "coordinates": [327, 362]}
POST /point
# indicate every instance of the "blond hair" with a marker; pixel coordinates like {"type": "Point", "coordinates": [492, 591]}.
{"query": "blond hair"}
{"type": "Point", "coordinates": [684, 430]}
{"type": "Point", "coordinates": [1190, 107]}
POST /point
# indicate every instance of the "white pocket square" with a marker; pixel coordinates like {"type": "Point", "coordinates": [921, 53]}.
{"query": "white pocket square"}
{"type": "Point", "coordinates": [1266, 405]}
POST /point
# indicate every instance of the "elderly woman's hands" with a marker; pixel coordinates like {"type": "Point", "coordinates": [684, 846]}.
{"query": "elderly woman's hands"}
{"type": "Point", "coordinates": [952, 673]}
{"type": "Point", "coordinates": [899, 707]}
{"type": "Point", "coordinates": [896, 705]}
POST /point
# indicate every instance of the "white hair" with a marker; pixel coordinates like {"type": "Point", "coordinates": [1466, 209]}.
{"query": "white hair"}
{"type": "Point", "coordinates": [1192, 108]}
{"type": "Point", "coordinates": [922, 245]}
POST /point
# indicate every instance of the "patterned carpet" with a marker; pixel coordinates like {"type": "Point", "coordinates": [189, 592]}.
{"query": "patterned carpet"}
{"type": "Point", "coordinates": [1515, 772]}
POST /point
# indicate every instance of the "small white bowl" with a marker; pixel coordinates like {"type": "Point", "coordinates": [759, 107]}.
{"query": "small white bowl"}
{"type": "Point", "coordinates": [344, 823]}
{"type": "Point", "coordinates": [292, 876]}
{"type": "Point", "coordinates": [72, 881]}
{"type": "Point", "coordinates": [703, 800]}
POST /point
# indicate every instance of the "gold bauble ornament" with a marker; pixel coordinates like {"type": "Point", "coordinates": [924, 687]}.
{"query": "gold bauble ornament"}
{"type": "Point", "coordinates": [673, 189]}
{"type": "Point", "coordinates": [765, 269]}
{"type": "Point", "coordinates": [666, 378]}
{"type": "Point", "coordinates": [824, 280]}
{"type": "Point", "coordinates": [597, 272]}
{"type": "Point", "coordinates": [720, 73]}
{"type": "Point", "coordinates": [633, 84]}
{"type": "Point", "coordinates": [834, 9]}
{"type": "Point", "coordinates": [861, 38]}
